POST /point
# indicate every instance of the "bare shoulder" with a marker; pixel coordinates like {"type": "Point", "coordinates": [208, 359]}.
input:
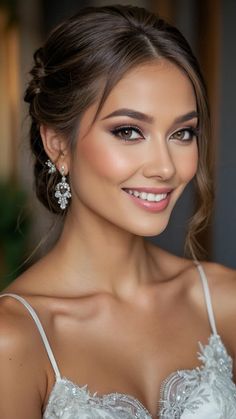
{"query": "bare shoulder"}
{"type": "Point", "coordinates": [13, 321]}
{"type": "Point", "coordinates": [222, 285]}
{"type": "Point", "coordinates": [221, 280]}
{"type": "Point", "coordinates": [19, 363]}
{"type": "Point", "coordinates": [18, 335]}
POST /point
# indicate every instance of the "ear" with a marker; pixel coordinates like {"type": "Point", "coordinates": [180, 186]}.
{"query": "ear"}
{"type": "Point", "coordinates": [55, 147]}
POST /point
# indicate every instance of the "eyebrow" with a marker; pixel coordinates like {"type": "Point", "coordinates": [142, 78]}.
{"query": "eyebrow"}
{"type": "Point", "coordinates": [131, 114]}
{"type": "Point", "coordinates": [186, 117]}
{"type": "Point", "coordinates": [147, 118]}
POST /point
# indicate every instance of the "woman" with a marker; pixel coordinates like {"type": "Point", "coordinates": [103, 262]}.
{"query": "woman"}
{"type": "Point", "coordinates": [119, 128]}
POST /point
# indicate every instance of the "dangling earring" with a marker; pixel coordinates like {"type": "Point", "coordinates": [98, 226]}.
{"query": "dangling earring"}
{"type": "Point", "coordinates": [62, 191]}
{"type": "Point", "coordinates": [51, 167]}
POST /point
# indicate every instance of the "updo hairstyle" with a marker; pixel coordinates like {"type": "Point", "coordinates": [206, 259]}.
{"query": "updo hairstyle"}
{"type": "Point", "coordinates": [82, 60]}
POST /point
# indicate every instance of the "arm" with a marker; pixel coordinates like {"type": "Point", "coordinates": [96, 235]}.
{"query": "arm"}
{"type": "Point", "coordinates": [21, 384]}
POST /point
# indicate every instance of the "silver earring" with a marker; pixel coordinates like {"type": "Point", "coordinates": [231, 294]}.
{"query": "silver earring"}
{"type": "Point", "coordinates": [51, 167]}
{"type": "Point", "coordinates": [62, 191]}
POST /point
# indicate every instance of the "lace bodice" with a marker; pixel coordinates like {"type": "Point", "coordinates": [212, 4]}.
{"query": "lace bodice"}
{"type": "Point", "coordinates": [206, 392]}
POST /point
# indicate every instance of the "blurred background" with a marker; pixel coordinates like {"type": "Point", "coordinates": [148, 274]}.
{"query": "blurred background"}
{"type": "Point", "coordinates": [209, 26]}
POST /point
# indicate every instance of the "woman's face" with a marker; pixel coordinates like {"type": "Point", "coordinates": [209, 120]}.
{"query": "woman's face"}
{"type": "Point", "coordinates": [132, 164]}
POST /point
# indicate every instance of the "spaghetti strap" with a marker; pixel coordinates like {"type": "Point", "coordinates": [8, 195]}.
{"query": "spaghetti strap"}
{"type": "Point", "coordinates": [40, 329]}
{"type": "Point", "coordinates": [207, 297]}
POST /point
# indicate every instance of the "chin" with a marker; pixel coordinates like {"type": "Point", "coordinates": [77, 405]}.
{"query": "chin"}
{"type": "Point", "coordinates": [149, 230]}
{"type": "Point", "coordinates": [154, 233]}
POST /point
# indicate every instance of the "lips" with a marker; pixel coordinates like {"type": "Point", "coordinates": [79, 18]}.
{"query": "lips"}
{"type": "Point", "coordinates": [152, 199]}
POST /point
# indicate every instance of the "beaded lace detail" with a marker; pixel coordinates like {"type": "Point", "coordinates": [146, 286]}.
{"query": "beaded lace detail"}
{"type": "Point", "coordinates": [69, 401]}
{"type": "Point", "coordinates": [205, 392]}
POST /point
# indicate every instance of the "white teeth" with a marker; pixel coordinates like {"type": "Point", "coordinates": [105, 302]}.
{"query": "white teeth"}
{"type": "Point", "coordinates": [151, 197]}
{"type": "Point", "coordinates": [161, 197]}
{"type": "Point", "coordinates": [143, 195]}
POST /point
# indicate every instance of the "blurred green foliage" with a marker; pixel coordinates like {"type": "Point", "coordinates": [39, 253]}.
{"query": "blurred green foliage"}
{"type": "Point", "coordinates": [14, 228]}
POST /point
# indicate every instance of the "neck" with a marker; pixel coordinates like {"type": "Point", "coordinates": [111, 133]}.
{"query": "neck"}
{"type": "Point", "coordinates": [103, 256]}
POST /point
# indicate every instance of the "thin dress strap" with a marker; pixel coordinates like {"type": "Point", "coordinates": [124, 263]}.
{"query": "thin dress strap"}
{"type": "Point", "coordinates": [40, 329]}
{"type": "Point", "coordinates": [207, 297]}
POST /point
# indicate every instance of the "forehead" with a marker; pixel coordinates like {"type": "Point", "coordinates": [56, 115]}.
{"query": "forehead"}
{"type": "Point", "coordinates": [156, 87]}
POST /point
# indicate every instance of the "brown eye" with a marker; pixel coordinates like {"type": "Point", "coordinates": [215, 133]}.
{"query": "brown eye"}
{"type": "Point", "coordinates": [128, 133]}
{"type": "Point", "coordinates": [184, 135]}
{"type": "Point", "coordinates": [180, 135]}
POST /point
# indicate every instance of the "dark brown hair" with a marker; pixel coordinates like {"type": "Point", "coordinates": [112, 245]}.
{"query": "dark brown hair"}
{"type": "Point", "coordinates": [82, 60]}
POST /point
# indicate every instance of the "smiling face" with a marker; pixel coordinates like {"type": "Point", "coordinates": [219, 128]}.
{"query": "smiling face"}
{"type": "Point", "coordinates": [131, 165]}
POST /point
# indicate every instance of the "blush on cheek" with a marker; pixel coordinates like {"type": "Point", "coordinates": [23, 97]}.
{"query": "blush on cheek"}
{"type": "Point", "coordinates": [105, 161]}
{"type": "Point", "coordinates": [189, 160]}
{"type": "Point", "coordinates": [190, 166]}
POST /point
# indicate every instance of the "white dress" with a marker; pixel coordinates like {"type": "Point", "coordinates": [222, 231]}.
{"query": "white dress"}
{"type": "Point", "coordinates": [207, 392]}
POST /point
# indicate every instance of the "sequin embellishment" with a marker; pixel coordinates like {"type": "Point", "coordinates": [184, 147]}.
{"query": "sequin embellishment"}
{"type": "Point", "coordinates": [205, 392]}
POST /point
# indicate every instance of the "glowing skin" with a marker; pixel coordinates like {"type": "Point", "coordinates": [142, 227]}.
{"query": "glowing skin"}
{"type": "Point", "coordinates": [157, 153]}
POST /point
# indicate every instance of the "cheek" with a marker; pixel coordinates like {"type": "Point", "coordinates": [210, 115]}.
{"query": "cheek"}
{"type": "Point", "coordinates": [108, 161]}
{"type": "Point", "coordinates": [187, 163]}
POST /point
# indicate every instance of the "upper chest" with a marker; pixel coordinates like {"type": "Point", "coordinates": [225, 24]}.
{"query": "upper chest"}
{"type": "Point", "coordinates": [199, 393]}
{"type": "Point", "coordinates": [123, 348]}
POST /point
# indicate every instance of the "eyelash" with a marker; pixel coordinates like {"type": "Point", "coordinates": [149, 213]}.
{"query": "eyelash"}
{"type": "Point", "coordinates": [193, 132]}
{"type": "Point", "coordinates": [118, 130]}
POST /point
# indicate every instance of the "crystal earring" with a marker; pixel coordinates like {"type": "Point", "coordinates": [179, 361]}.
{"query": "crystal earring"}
{"type": "Point", "coordinates": [62, 191]}
{"type": "Point", "coordinates": [51, 167]}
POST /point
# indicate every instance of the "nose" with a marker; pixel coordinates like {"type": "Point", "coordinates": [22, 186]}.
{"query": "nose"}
{"type": "Point", "coordinates": [159, 161]}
